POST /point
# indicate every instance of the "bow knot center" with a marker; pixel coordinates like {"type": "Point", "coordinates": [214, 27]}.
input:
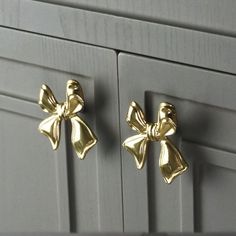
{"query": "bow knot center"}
{"type": "Point", "coordinates": [61, 110]}
{"type": "Point", "coordinates": [153, 132]}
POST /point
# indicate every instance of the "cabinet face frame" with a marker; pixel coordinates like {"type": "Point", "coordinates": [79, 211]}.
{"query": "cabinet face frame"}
{"type": "Point", "coordinates": [189, 46]}
{"type": "Point", "coordinates": [206, 113]}
{"type": "Point", "coordinates": [91, 198]}
{"type": "Point", "coordinates": [214, 16]}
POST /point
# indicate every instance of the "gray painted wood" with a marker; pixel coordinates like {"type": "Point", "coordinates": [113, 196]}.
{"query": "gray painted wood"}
{"type": "Point", "coordinates": [157, 40]}
{"type": "Point", "coordinates": [67, 194]}
{"type": "Point", "coordinates": [34, 190]}
{"type": "Point", "coordinates": [85, 196]}
{"type": "Point", "coordinates": [214, 177]}
{"type": "Point", "coordinates": [202, 200]}
{"type": "Point", "coordinates": [209, 15]}
{"type": "Point", "coordinates": [114, 234]}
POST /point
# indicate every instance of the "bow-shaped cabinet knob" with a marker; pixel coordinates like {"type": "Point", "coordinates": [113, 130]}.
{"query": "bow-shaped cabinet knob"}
{"type": "Point", "coordinates": [171, 161]}
{"type": "Point", "coordinates": [82, 137]}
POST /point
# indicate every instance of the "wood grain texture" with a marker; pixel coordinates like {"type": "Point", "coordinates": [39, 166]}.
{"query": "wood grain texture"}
{"type": "Point", "coordinates": [214, 173]}
{"type": "Point", "coordinates": [33, 182]}
{"type": "Point", "coordinates": [206, 113]}
{"type": "Point", "coordinates": [27, 61]}
{"type": "Point", "coordinates": [170, 43]}
{"type": "Point", "coordinates": [115, 234]}
{"type": "Point", "coordinates": [209, 15]}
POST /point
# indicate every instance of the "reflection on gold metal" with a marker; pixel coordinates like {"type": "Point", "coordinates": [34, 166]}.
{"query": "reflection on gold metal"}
{"type": "Point", "coordinates": [82, 136]}
{"type": "Point", "coordinates": [171, 162]}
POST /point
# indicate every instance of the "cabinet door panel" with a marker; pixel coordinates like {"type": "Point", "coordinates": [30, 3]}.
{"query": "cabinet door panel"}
{"type": "Point", "coordinates": [34, 191]}
{"type": "Point", "coordinates": [202, 199]}
{"type": "Point", "coordinates": [91, 189]}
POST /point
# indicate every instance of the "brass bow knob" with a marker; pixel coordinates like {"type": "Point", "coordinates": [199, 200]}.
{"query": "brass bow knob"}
{"type": "Point", "coordinates": [82, 137]}
{"type": "Point", "coordinates": [171, 161]}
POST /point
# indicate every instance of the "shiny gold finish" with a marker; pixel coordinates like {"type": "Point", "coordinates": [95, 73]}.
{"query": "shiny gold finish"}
{"type": "Point", "coordinates": [82, 136]}
{"type": "Point", "coordinates": [171, 161]}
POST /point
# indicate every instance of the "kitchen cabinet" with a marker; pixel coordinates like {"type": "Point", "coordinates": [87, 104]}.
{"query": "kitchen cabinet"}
{"type": "Point", "coordinates": [181, 52]}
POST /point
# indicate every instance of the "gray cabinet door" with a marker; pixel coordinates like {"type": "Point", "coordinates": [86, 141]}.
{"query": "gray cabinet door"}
{"type": "Point", "coordinates": [42, 189]}
{"type": "Point", "coordinates": [203, 198]}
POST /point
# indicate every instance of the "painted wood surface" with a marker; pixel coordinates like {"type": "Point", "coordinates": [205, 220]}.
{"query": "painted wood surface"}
{"type": "Point", "coordinates": [44, 190]}
{"type": "Point", "coordinates": [187, 46]}
{"type": "Point", "coordinates": [210, 15]}
{"type": "Point", "coordinates": [105, 193]}
{"type": "Point", "coordinates": [111, 234]}
{"type": "Point", "coordinates": [202, 200]}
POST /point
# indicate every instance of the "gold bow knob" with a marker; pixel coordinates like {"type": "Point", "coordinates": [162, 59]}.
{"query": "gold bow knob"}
{"type": "Point", "coordinates": [82, 137]}
{"type": "Point", "coordinates": [171, 161]}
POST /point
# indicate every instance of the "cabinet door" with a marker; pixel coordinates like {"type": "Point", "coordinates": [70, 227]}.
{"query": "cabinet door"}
{"type": "Point", "coordinates": [203, 198]}
{"type": "Point", "coordinates": [42, 189]}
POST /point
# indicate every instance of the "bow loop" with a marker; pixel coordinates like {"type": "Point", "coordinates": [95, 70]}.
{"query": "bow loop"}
{"type": "Point", "coordinates": [136, 118]}
{"type": "Point", "coordinates": [167, 119]}
{"type": "Point", "coordinates": [167, 127]}
{"type": "Point", "coordinates": [74, 97]}
{"type": "Point", "coordinates": [47, 101]}
{"type": "Point", "coordinates": [74, 105]}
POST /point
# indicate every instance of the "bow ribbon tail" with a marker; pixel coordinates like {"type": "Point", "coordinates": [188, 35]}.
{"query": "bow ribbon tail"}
{"type": "Point", "coordinates": [137, 145]}
{"type": "Point", "coordinates": [171, 161]}
{"type": "Point", "coordinates": [50, 127]}
{"type": "Point", "coordinates": [82, 137]}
